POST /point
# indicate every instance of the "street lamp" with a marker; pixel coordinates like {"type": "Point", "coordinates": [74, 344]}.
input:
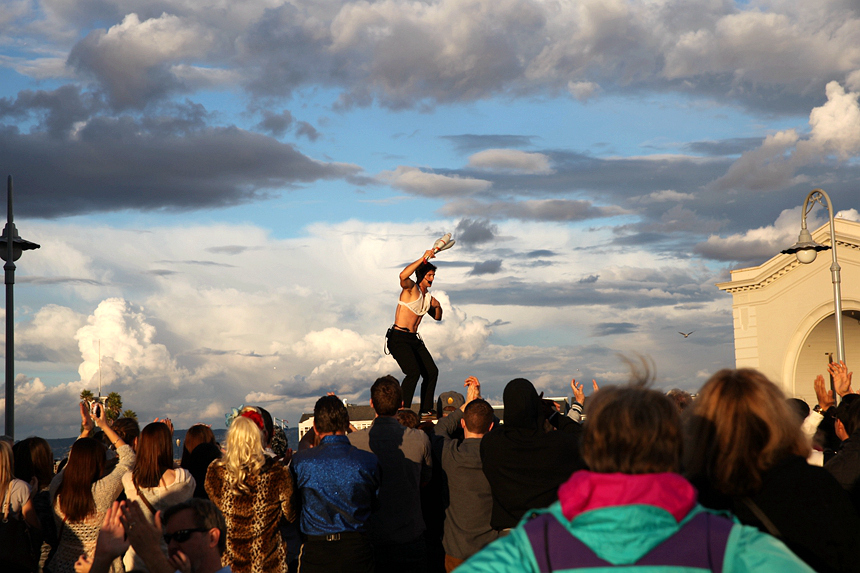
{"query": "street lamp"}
{"type": "Point", "coordinates": [805, 249]}
{"type": "Point", "coordinates": [10, 251]}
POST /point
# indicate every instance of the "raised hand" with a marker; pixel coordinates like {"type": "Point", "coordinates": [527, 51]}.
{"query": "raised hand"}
{"type": "Point", "coordinates": [166, 422]}
{"type": "Point", "coordinates": [578, 393]}
{"type": "Point", "coordinates": [112, 540]}
{"type": "Point", "coordinates": [143, 536]}
{"type": "Point", "coordinates": [100, 417]}
{"type": "Point", "coordinates": [180, 562]}
{"type": "Point", "coordinates": [86, 419]}
{"type": "Point", "coordinates": [841, 377]}
{"type": "Point", "coordinates": [824, 396]}
{"type": "Point", "coordinates": [473, 389]}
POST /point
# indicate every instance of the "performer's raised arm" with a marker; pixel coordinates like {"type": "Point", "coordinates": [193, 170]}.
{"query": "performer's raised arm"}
{"type": "Point", "coordinates": [406, 274]}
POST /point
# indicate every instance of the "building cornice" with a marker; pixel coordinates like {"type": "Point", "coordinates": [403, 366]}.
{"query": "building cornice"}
{"type": "Point", "coordinates": [756, 278]}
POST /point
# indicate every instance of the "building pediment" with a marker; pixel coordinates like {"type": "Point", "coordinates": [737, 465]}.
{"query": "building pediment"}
{"type": "Point", "coordinates": [780, 265]}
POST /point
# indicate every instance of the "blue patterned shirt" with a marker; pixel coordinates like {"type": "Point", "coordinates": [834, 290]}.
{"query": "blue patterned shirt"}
{"type": "Point", "coordinates": [338, 484]}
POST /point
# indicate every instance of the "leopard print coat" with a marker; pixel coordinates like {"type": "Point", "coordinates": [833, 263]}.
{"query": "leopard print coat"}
{"type": "Point", "coordinates": [254, 544]}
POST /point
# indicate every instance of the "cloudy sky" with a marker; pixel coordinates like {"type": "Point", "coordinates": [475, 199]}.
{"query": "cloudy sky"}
{"type": "Point", "coordinates": [225, 192]}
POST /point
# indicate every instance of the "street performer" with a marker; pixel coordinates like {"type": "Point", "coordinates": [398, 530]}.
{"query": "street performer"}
{"type": "Point", "coordinates": [403, 341]}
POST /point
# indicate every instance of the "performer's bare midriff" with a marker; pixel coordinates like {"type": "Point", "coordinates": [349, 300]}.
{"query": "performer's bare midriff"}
{"type": "Point", "coordinates": [403, 342]}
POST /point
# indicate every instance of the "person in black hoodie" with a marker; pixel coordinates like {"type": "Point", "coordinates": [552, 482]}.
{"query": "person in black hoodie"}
{"type": "Point", "coordinates": [524, 461]}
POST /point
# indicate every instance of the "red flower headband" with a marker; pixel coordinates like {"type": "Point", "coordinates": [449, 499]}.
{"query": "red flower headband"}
{"type": "Point", "coordinates": [254, 417]}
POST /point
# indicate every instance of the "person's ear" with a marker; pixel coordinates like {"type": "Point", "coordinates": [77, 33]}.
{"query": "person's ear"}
{"type": "Point", "coordinates": [491, 426]}
{"type": "Point", "coordinates": [462, 423]}
{"type": "Point", "coordinates": [214, 537]}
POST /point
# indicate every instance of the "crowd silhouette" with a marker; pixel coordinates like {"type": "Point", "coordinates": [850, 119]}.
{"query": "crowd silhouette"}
{"type": "Point", "coordinates": [736, 477]}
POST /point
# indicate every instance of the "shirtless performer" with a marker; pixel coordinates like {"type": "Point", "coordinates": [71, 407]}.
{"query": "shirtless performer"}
{"type": "Point", "coordinates": [403, 342]}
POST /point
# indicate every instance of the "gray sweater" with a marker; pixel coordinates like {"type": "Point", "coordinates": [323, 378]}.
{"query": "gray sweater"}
{"type": "Point", "coordinates": [467, 518]}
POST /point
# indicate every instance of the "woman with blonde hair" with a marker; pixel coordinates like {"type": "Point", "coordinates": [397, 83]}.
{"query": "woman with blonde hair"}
{"type": "Point", "coordinates": [253, 492]}
{"type": "Point", "coordinates": [154, 483]}
{"type": "Point", "coordinates": [745, 452]}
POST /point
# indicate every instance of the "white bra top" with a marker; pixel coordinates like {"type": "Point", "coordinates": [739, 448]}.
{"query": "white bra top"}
{"type": "Point", "coordinates": [419, 306]}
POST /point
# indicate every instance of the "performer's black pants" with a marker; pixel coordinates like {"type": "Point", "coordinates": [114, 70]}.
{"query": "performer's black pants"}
{"type": "Point", "coordinates": [415, 360]}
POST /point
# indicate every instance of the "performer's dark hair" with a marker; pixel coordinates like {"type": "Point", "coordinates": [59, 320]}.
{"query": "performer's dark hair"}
{"type": "Point", "coordinates": [422, 270]}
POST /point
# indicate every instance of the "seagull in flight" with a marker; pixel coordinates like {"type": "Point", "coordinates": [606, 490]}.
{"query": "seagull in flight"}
{"type": "Point", "coordinates": [686, 335]}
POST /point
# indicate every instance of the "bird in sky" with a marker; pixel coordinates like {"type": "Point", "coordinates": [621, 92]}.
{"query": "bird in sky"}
{"type": "Point", "coordinates": [686, 335]}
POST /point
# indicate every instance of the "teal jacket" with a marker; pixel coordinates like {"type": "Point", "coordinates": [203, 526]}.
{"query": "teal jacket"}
{"type": "Point", "coordinates": [621, 518]}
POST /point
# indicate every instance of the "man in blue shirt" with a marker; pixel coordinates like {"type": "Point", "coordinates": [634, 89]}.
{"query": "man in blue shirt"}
{"type": "Point", "coordinates": [337, 485]}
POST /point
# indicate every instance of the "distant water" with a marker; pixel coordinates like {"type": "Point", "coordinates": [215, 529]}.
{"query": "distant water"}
{"type": "Point", "coordinates": [61, 446]}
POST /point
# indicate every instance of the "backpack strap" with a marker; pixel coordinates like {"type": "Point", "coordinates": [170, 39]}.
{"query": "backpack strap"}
{"type": "Point", "coordinates": [699, 543]}
{"type": "Point", "coordinates": [145, 501]}
{"type": "Point", "coordinates": [6, 502]}
{"type": "Point", "coordinates": [762, 517]}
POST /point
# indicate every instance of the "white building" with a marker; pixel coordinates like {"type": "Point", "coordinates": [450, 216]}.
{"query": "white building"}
{"type": "Point", "coordinates": [784, 318]}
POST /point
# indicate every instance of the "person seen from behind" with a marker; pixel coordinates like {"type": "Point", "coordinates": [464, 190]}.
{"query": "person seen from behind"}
{"type": "Point", "coordinates": [198, 451]}
{"type": "Point", "coordinates": [746, 453]}
{"type": "Point", "coordinates": [632, 509]}
{"type": "Point", "coordinates": [154, 483]}
{"type": "Point", "coordinates": [337, 485]}
{"type": "Point", "coordinates": [83, 491]}
{"type": "Point", "coordinates": [253, 491]}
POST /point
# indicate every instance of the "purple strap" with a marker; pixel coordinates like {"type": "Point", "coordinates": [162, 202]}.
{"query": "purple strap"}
{"type": "Point", "coordinates": [699, 543]}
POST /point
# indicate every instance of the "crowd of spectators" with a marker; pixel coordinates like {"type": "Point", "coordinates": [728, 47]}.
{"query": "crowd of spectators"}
{"type": "Point", "coordinates": [735, 478]}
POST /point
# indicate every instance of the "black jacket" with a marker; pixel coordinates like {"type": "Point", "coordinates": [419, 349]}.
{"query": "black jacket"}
{"type": "Point", "coordinates": [524, 463]}
{"type": "Point", "coordinates": [845, 467]}
{"type": "Point", "coordinates": [812, 514]}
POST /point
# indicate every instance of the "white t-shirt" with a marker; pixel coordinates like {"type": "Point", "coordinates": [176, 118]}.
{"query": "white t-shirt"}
{"type": "Point", "coordinates": [19, 494]}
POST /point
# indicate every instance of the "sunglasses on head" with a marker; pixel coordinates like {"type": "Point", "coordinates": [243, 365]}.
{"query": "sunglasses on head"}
{"type": "Point", "coordinates": [182, 535]}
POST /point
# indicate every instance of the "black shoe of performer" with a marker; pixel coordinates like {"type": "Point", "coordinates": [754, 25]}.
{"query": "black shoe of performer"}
{"type": "Point", "coordinates": [427, 415]}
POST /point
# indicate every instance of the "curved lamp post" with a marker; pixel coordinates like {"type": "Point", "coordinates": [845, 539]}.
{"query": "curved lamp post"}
{"type": "Point", "coordinates": [10, 251]}
{"type": "Point", "coordinates": [805, 249]}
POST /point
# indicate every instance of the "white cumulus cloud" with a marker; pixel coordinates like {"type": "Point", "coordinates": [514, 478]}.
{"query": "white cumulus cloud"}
{"type": "Point", "coordinates": [834, 132]}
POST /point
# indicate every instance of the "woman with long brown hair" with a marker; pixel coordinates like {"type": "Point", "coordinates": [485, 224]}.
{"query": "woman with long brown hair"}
{"type": "Point", "coordinates": [194, 436]}
{"type": "Point", "coordinates": [34, 464]}
{"type": "Point", "coordinates": [199, 450]}
{"type": "Point", "coordinates": [154, 483]}
{"type": "Point", "coordinates": [81, 493]}
{"type": "Point", "coordinates": [745, 452]}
